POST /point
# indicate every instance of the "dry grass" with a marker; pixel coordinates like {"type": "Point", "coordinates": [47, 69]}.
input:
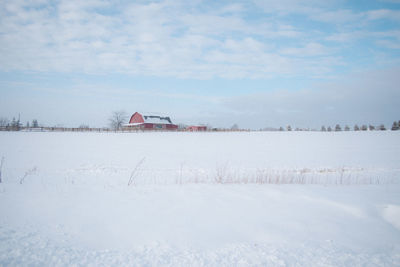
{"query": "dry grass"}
{"type": "Point", "coordinates": [27, 173]}
{"type": "Point", "coordinates": [135, 172]}
{"type": "Point", "coordinates": [224, 174]}
{"type": "Point", "coordinates": [1, 168]}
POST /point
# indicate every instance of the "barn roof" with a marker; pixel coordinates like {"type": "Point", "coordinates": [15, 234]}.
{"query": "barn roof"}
{"type": "Point", "coordinates": [153, 119]}
{"type": "Point", "coordinates": [156, 119]}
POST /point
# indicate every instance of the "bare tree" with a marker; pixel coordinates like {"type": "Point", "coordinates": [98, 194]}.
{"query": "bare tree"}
{"type": "Point", "coordinates": [3, 122]}
{"type": "Point", "coordinates": [382, 127]}
{"type": "Point", "coordinates": [395, 126]}
{"type": "Point", "coordinates": [15, 124]}
{"type": "Point", "coordinates": [117, 119]}
{"type": "Point", "coordinates": [1, 167]}
{"type": "Point", "coordinates": [35, 124]}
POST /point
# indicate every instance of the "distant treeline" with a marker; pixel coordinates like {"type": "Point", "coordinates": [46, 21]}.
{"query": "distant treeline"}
{"type": "Point", "coordinates": [16, 125]}
{"type": "Point", "coordinates": [338, 128]}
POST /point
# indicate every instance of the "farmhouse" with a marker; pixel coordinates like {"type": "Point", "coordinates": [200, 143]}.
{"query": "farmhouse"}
{"type": "Point", "coordinates": [149, 122]}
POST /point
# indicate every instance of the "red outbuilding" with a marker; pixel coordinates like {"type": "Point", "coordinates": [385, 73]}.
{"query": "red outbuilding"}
{"type": "Point", "coordinates": [197, 128]}
{"type": "Point", "coordinates": [150, 122]}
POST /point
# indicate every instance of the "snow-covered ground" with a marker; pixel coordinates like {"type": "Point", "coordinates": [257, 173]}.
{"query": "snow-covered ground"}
{"type": "Point", "coordinates": [219, 199]}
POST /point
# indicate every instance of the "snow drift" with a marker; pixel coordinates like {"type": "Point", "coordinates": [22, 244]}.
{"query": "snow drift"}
{"type": "Point", "coordinates": [218, 199]}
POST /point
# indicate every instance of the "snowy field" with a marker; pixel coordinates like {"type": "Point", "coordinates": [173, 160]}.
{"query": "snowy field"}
{"type": "Point", "coordinates": [194, 199]}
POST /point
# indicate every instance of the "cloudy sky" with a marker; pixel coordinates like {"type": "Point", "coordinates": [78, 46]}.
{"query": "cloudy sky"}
{"type": "Point", "coordinates": [256, 63]}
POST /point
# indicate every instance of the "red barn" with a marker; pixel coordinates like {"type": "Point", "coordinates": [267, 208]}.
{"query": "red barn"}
{"type": "Point", "coordinates": [196, 128]}
{"type": "Point", "coordinates": [150, 122]}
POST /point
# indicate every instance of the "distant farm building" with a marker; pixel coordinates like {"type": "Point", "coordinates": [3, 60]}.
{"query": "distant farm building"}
{"type": "Point", "coordinates": [149, 122]}
{"type": "Point", "coordinates": [198, 128]}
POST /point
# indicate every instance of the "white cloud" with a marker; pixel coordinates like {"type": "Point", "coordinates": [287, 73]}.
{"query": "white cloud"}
{"type": "Point", "coordinates": [311, 49]}
{"type": "Point", "coordinates": [389, 44]}
{"type": "Point", "coordinates": [391, 1]}
{"type": "Point", "coordinates": [384, 14]}
{"type": "Point", "coordinates": [341, 16]}
{"type": "Point", "coordinates": [344, 37]}
{"type": "Point", "coordinates": [167, 38]}
{"type": "Point", "coordinates": [149, 39]}
{"type": "Point", "coordinates": [285, 7]}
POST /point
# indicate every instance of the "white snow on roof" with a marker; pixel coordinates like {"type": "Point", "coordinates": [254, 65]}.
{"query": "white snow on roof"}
{"type": "Point", "coordinates": [152, 119]}
{"type": "Point", "coordinates": [156, 119]}
{"type": "Point", "coordinates": [133, 124]}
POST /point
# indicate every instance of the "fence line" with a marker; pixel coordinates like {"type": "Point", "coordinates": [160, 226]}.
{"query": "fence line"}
{"type": "Point", "coordinates": [72, 129]}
